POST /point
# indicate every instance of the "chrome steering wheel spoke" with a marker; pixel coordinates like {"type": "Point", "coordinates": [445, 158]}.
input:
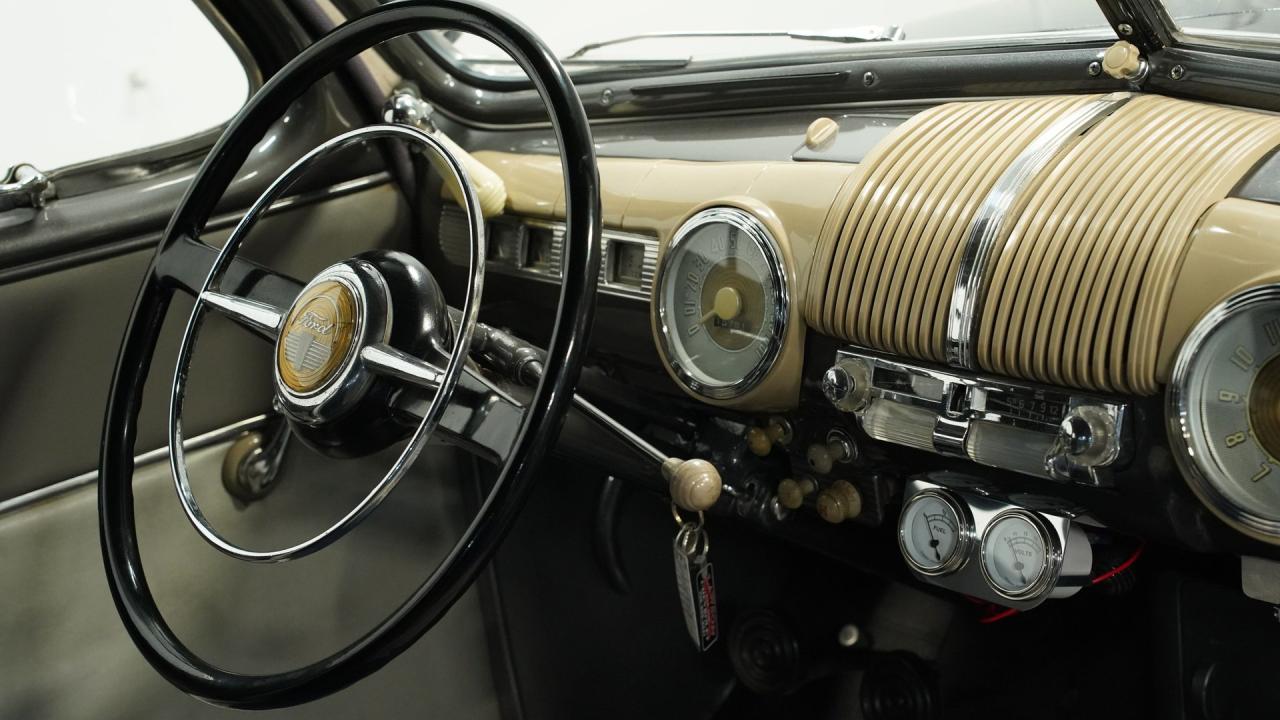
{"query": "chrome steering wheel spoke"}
{"type": "Point", "coordinates": [261, 318]}
{"type": "Point", "coordinates": [330, 342]}
{"type": "Point", "coordinates": [385, 360]}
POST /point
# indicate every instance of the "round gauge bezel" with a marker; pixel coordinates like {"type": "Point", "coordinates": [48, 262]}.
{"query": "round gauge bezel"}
{"type": "Point", "coordinates": [1052, 555]}
{"type": "Point", "coordinates": [965, 533]}
{"type": "Point", "coordinates": [756, 231]}
{"type": "Point", "coordinates": [1201, 476]}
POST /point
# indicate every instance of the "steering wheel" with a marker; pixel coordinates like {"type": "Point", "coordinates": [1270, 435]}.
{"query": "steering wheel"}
{"type": "Point", "coordinates": [366, 347]}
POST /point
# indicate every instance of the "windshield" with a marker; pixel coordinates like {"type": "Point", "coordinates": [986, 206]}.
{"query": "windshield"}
{"type": "Point", "coordinates": [572, 27]}
{"type": "Point", "coordinates": [1259, 19]}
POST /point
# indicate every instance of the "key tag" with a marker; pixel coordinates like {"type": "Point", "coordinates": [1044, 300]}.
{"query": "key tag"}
{"type": "Point", "coordinates": [695, 581]}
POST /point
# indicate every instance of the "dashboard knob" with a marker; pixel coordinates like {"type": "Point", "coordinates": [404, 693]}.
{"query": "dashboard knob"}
{"type": "Point", "coordinates": [695, 485]}
{"type": "Point", "coordinates": [758, 441]}
{"type": "Point", "coordinates": [821, 134]}
{"type": "Point", "coordinates": [839, 447]}
{"type": "Point", "coordinates": [791, 493]}
{"type": "Point", "coordinates": [761, 440]}
{"type": "Point", "coordinates": [847, 384]}
{"type": "Point", "coordinates": [1088, 435]}
{"type": "Point", "coordinates": [1123, 61]}
{"type": "Point", "coordinates": [840, 502]}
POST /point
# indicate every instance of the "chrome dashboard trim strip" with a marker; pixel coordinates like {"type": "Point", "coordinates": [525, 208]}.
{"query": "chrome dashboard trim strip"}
{"type": "Point", "coordinates": [971, 277]}
{"type": "Point", "coordinates": [199, 442]}
{"type": "Point", "coordinates": [511, 252]}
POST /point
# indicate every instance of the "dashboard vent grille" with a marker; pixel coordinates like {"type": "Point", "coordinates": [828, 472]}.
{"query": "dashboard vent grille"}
{"type": "Point", "coordinates": [1082, 278]}
{"type": "Point", "coordinates": [886, 260]}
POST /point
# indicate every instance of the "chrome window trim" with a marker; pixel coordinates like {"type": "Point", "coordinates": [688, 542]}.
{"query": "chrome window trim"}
{"type": "Point", "coordinates": [193, 444]}
{"type": "Point", "coordinates": [969, 288]}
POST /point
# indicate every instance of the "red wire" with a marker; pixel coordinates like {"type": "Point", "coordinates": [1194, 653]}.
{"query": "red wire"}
{"type": "Point", "coordinates": [1007, 612]}
{"type": "Point", "coordinates": [1137, 553]}
{"type": "Point", "coordinates": [995, 614]}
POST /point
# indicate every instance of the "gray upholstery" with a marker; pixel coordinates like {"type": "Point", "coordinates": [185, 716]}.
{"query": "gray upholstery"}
{"type": "Point", "coordinates": [66, 655]}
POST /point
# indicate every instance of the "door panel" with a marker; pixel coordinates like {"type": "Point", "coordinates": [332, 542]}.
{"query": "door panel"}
{"type": "Point", "coordinates": [66, 654]}
{"type": "Point", "coordinates": [63, 330]}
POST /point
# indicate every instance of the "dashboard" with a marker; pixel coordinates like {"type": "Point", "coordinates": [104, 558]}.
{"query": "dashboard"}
{"type": "Point", "coordinates": [1016, 329]}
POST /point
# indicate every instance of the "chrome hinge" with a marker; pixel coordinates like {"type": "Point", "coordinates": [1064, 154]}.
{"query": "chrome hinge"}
{"type": "Point", "coordinates": [24, 186]}
{"type": "Point", "coordinates": [406, 106]}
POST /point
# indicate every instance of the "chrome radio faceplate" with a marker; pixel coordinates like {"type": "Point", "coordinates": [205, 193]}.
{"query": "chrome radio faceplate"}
{"type": "Point", "coordinates": [1036, 430]}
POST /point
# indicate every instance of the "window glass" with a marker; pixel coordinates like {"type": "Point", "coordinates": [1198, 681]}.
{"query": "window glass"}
{"type": "Point", "coordinates": [1257, 19]}
{"type": "Point", "coordinates": [87, 79]}
{"type": "Point", "coordinates": [729, 29]}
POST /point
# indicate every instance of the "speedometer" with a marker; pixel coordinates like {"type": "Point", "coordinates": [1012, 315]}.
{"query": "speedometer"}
{"type": "Point", "coordinates": [721, 302]}
{"type": "Point", "coordinates": [1224, 411]}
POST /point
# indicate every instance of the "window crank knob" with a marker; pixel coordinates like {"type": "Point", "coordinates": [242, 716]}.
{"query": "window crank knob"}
{"type": "Point", "coordinates": [695, 485]}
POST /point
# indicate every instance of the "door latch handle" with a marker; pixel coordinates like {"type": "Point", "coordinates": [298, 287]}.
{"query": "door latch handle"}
{"type": "Point", "coordinates": [23, 185]}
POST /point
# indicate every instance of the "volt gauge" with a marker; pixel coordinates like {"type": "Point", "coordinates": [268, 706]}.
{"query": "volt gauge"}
{"type": "Point", "coordinates": [961, 534]}
{"type": "Point", "coordinates": [1017, 552]}
{"type": "Point", "coordinates": [935, 532]}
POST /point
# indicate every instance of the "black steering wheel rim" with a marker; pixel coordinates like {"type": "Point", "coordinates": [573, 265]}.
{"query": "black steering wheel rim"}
{"type": "Point", "coordinates": [117, 531]}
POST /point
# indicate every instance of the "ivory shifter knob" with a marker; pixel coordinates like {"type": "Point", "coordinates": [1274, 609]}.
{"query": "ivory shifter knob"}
{"type": "Point", "coordinates": [694, 484]}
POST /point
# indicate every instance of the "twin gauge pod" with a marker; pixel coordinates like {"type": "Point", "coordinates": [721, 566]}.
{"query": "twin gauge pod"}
{"type": "Point", "coordinates": [957, 536]}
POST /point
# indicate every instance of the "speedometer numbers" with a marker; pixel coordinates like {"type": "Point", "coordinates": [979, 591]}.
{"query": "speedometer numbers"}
{"type": "Point", "coordinates": [721, 303]}
{"type": "Point", "coordinates": [1224, 411]}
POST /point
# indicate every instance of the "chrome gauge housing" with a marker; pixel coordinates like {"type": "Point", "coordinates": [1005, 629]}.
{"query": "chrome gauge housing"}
{"type": "Point", "coordinates": [721, 303]}
{"type": "Point", "coordinates": [1019, 557]}
{"type": "Point", "coordinates": [1223, 409]}
{"type": "Point", "coordinates": [935, 532]}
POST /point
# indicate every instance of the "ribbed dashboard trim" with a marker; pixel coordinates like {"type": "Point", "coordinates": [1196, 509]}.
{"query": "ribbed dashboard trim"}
{"type": "Point", "coordinates": [1071, 276]}
{"type": "Point", "coordinates": [885, 266]}
{"type": "Point", "coordinates": [1081, 281]}
{"type": "Point", "coordinates": [1001, 203]}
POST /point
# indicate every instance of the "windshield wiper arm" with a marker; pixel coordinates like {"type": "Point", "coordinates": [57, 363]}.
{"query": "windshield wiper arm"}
{"type": "Point", "coordinates": [866, 33]}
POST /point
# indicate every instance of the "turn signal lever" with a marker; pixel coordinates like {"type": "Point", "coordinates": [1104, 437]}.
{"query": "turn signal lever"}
{"type": "Point", "coordinates": [694, 485]}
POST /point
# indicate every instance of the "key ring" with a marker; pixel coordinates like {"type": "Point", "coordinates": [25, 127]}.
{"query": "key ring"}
{"type": "Point", "coordinates": [690, 536]}
{"type": "Point", "coordinates": [680, 521]}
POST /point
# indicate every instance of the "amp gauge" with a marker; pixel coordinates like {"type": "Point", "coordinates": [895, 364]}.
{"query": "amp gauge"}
{"type": "Point", "coordinates": [934, 533]}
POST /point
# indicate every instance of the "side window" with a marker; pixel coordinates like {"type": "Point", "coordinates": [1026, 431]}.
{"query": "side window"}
{"type": "Point", "coordinates": [94, 79]}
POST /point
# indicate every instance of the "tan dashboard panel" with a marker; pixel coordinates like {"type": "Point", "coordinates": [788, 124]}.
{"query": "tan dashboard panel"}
{"type": "Point", "coordinates": [792, 199]}
{"type": "Point", "coordinates": [654, 197]}
{"type": "Point", "coordinates": [1232, 248]}
{"type": "Point", "coordinates": [535, 184]}
{"type": "Point", "coordinates": [1083, 275]}
{"type": "Point", "coordinates": [884, 268]}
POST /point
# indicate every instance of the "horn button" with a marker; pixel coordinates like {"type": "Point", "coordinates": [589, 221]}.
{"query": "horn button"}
{"type": "Point", "coordinates": [317, 336]}
{"type": "Point", "coordinates": [317, 370]}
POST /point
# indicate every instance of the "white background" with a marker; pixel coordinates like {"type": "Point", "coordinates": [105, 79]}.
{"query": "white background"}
{"type": "Point", "coordinates": [91, 78]}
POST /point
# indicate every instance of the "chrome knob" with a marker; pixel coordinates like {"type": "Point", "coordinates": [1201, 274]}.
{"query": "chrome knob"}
{"type": "Point", "coordinates": [847, 384]}
{"type": "Point", "coordinates": [1076, 434]}
{"type": "Point", "coordinates": [836, 384]}
{"type": "Point", "coordinates": [1088, 439]}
